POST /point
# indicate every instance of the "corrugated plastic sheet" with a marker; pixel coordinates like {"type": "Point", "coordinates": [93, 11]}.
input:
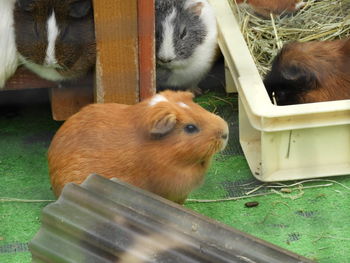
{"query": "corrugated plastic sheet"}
{"type": "Point", "coordinates": [110, 221]}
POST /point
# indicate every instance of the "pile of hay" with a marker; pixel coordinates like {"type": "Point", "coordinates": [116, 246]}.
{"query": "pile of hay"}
{"type": "Point", "coordinates": [318, 20]}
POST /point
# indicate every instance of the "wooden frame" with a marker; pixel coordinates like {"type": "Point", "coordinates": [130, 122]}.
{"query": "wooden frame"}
{"type": "Point", "coordinates": [125, 50]}
{"type": "Point", "coordinates": [146, 29]}
{"type": "Point", "coordinates": [125, 66]}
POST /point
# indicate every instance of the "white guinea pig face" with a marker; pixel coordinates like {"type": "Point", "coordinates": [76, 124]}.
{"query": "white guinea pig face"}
{"type": "Point", "coordinates": [56, 34]}
{"type": "Point", "coordinates": [179, 30]}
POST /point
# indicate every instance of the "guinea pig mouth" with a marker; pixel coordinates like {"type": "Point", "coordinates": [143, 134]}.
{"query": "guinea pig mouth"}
{"type": "Point", "coordinates": [223, 144]}
{"type": "Point", "coordinates": [219, 145]}
{"type": "Point", "coordinates": [222, 141]}
{"type": "Point", "coordinates": [174, 64]}
{"type": "Point", "coordinates": [164, 64]}
{"type": "Point", "coordinates": [53, 66]}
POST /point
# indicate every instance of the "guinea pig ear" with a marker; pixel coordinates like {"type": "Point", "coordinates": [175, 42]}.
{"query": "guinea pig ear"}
{"type": "Point", "coordinates": [162, 124]}
{"type": "Point", "coordinates": [195, 7]}
{"type": "Point", "coordinates": [80, 8]}
{"type": "Point", "coordinates": [26, 5]}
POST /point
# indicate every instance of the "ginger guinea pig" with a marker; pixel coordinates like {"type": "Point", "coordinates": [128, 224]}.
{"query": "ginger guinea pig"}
{"type": "Point", "coordinates": [163, 144]}
{"type": "Point", "coordinates": [310, 72]}
{"type": "Point", "coordinates": [265, 7]}
{"type": "Point", "coordinates": [55, 39]}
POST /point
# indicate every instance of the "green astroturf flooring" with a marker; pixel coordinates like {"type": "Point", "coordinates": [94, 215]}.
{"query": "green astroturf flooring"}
{"type": "Point", "coordinates": [312, 222]}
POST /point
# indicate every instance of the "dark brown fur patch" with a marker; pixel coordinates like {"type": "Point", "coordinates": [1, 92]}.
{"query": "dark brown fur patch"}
{"type": "Point", "coordinates": [310, 72]}
{"type": "Point", "coordinates": [75, 46]}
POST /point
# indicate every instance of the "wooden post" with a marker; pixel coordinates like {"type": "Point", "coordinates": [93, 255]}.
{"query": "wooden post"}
{"type": "Point", "coordinates": [65, 101]}
{"type": "Point", "coordinates": [117, 67]}
{"type": "Point", "coordinates": [70, 97]}
{"type": "Point", "coordinates": [146, 28]}
{"type": "Point", "coordinates": [125, 66]}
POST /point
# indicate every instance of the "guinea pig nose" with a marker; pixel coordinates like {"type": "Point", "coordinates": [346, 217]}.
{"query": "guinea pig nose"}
{"type": "Point", "coordinates": [165, 60]}
{"type": "Point", "coordinates": [224, 136]}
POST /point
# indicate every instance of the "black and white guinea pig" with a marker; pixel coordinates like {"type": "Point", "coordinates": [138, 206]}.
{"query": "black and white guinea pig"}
{"type": "Point", "coordinates": [54, 39]}
{"type": "Point", "coordinates": [186, 42]}
{"type": "Point", "coordinates": [310, 72]}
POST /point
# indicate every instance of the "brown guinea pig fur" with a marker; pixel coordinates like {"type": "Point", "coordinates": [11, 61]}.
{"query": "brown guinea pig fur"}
{"type": "Point", "coordinates": [55, 38]}
{"type": "Point", "coordinates": [163, 144]}
{"type": "Point", "coordinates": [310, 72]}
{"type": "Point", "coordinates": [265, 7]}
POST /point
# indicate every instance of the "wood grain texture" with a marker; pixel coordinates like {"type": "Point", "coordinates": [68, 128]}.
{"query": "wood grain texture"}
{"type": "Point", "coordinates": [25, 79]}
{"type": "Point", "coordinates": [117, 67]}
{"type": "Point", "coordinates": [70, 97]}
{"type": "Point", "coordinates": [146, 28]}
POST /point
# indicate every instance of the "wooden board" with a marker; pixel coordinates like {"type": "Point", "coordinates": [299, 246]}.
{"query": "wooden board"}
{"type": "Point", "coordinates": [70, 97]}
{"type": "Point", "coordinates": [125, 66]}
{"type": "Point", "coordinates": [146, 28]}
{"type": "Point", "coordinates": [25, 79]}
{"type": "Point", "coordinates": [117, 70]}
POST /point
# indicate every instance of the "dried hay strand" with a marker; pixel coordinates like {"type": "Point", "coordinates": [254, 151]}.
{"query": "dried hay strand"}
{"type": "Point", "coordinates": [318, 20]}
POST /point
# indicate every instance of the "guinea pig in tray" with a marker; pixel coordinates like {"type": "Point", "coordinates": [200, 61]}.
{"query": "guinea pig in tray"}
{"type": "Point", "coordinates": [186, 42]}
{"type": "Point", "coordinates": [310, 72]}
{"type": "Point", "coordinates": [163, 144]}
{"type": "Point", "coordinates": [54, 39]}
{"type": "Point", "coordinates": [265, 7]}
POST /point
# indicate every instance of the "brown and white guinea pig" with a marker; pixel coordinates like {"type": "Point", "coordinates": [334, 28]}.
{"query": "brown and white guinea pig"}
{"type": "Point", "coordinates": [310, 72]}
{"type": "Point", "coordinates": [265, 7]}
{"type": "Point", "coordinates": [55, 38]}
{"type": "Point", "coordinates": [186, 43]}
{"type": "Point", "coordinates": [163, 144]}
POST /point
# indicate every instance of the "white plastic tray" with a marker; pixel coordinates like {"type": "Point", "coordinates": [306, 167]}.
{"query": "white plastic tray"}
{"type": "Point", "coordinates": [282, 142]}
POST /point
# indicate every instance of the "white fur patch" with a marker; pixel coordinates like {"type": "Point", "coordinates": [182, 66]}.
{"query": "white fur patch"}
{"type": "Point", "coordinates": [44, 72]}
{"type": "Point", "coordinates": [8, 53]}
{"type": "Point", "coordinates": [188, 73]}
{"type": "Point", "coordinates": [183, 105]}
{"type": "Point", "coordinates": [156, 99]}
{"type": "Point", "coordinates": [167, 50]}
{"type": "Point", "coordinates": [52, 34]}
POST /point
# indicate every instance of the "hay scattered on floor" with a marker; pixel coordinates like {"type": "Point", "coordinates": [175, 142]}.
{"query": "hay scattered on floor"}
{"type": "Point", "coordinates": [17, 200]}
{"type": "Point", "coordinates": [277, 188]}
{"type": "Point", "coordinates": [318, 20]}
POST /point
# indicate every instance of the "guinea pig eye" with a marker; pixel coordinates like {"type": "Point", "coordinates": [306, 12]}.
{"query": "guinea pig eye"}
{"type": "Point", "coordinates": [80, 8]}
{"type": "Point", "coordinates": [183, 33]}
{"type": "Point", "coordinates": [191, 128]}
